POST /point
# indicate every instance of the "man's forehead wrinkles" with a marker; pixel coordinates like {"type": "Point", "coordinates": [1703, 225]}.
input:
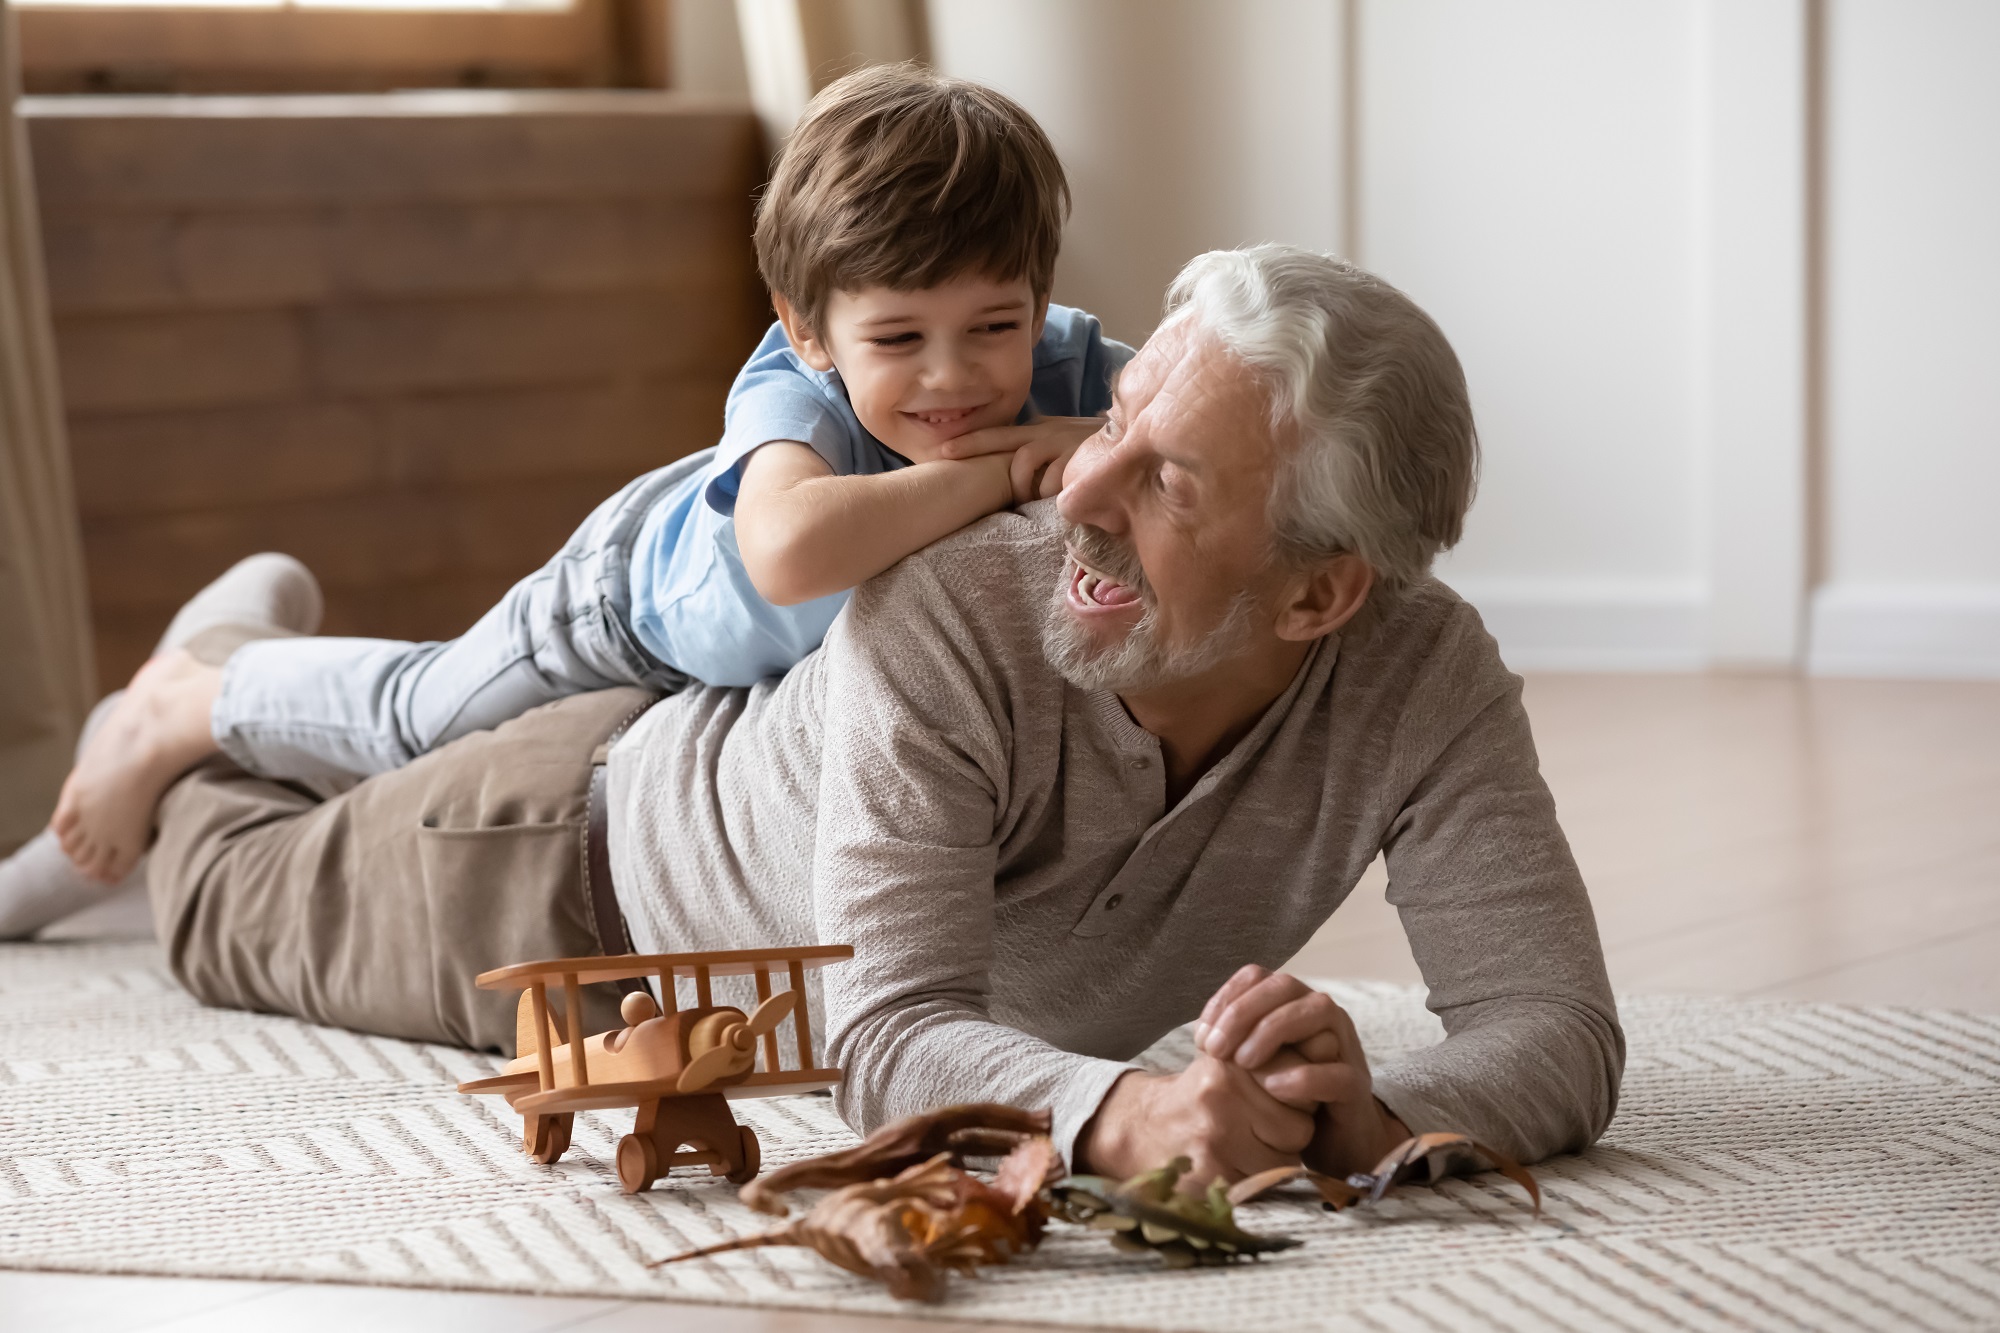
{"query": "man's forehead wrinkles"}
{"type": "Point", "coordinates": [1155, 363]}
{"type": "Point", "coordinates": [1207, 394]}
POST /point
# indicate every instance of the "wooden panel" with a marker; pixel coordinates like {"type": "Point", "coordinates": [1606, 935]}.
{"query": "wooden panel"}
{"type": "Point", "coordinates": [187, 49]}
{"type": "Point", "coordinates": [379, 347]}
{"type": "Point", "coordinates": [100, 153]}
{"type": "Point", "coordinates": [582, 245]}
{"type": "Point", "coordinates": [128, 262]}
{"type": "Point", "coordinates": [114, 263]}
{"type": "Point", "coordinates": [153, 463]}
{"type": "Point", "coordinates": [411, 341]}
{"type": "Point", "coordinates": [386, 537]}
{"type": "Point", "coordinates": [440, 440]}
{"type": "Point", "coordinates": [179, 360]}
{"type": "Point", "coordinates": [155, 561]}
{"type": "Point", "coordinates": [164, 462]}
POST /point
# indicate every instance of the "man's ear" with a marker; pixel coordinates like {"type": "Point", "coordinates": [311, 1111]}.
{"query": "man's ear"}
{"type": "Point", "coordinates": [812, 349]}
{"type": "Point", "coordinates": [1324, 598]}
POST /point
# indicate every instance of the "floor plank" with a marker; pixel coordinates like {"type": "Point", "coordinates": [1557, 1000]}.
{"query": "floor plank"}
{"type": "Point", "coordinates": [1961, 971]}
{"type": "Point", "coordinates": [99, 1304]}
{"type": "Point", "coordinates": [1761, 834]}
{"type": "Point", "coordinates": [653, 1317]}
{"type": "Point", "coordinates": [327, 1308]}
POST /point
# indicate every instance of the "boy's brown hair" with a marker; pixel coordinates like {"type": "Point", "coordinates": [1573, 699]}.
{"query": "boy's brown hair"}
{"type": "Point", "coordinates": [899, 178]}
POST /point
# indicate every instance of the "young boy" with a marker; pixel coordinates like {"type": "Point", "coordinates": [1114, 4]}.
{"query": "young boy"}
{"type": "Point", "coordinates": [908, 238]}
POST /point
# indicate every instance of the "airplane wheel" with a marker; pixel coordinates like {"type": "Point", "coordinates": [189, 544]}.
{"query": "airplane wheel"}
{"type": "Point", "coordinates": [551, 1138]}
{"type": "Point", "coordinates": [753, 1157]}
{"type": "Point", "coordinates": [638, 1163]}
{"type": "Point", "coordinates": [555, 1137]}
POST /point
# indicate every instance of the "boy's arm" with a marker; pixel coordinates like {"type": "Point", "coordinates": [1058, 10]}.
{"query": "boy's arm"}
{"type": "Point", "coordinates": [804, 532]}
{"type": "Point", "coordinates": [1040, 450]}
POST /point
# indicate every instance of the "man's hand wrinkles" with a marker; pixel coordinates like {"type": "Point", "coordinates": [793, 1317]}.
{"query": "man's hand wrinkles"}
{"type": "Point", "coordinates": [1212, 1112]}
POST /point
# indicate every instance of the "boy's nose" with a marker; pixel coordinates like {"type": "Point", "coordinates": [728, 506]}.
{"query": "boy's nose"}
{"type": "Point", "coordinates": [947, 371]}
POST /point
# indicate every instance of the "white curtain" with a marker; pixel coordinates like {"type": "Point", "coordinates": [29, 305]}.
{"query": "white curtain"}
{"type": "Point", "coordinates": [46, 673]}
{"type": "Point", "coordinates": [793, 48]}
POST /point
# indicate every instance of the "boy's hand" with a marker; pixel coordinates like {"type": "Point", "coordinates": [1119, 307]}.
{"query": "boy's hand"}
{"type": "Point", "coordinates": [1041, 450]}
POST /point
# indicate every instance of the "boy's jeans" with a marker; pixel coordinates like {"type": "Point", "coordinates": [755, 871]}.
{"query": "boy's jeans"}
{"type": "Point", "coordinates": [320, 710]}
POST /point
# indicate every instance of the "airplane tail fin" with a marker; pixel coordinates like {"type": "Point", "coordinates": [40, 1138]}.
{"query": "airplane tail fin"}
{"type": "Point", "coordinates": [524, 1025]}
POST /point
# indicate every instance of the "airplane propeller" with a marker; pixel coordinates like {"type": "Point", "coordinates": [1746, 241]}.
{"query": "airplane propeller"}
{"type": "Point", "coordinates": [735, 1049]}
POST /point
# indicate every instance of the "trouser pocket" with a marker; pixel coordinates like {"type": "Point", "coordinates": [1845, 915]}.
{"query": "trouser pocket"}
{"type": "Point", "coordinates": [497, 896]}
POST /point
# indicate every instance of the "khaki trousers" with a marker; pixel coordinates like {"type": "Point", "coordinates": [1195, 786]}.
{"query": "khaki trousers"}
{"type": "Point", "coordinates": [375, 909]}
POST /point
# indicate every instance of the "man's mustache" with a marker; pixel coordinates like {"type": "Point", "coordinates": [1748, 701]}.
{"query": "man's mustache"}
{"type": "Point", "coordinates": [1108, 556]}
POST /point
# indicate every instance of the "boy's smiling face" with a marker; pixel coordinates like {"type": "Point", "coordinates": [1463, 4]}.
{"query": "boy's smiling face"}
{"type": "Point", "coordinates": [927, 366]}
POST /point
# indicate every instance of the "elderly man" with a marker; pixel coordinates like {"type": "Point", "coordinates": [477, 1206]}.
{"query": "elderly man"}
{"type": "Point", "coordinates": [1065, 780]}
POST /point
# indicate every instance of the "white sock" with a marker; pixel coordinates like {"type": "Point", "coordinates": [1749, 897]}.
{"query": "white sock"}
{"type": "Point", "coordinates": [266, 589]}
{"type": "Point", "coordinates": [39, 884]}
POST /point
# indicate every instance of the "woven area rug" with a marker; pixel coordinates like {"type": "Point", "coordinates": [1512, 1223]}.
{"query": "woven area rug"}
{"type": "Point", "coordinates": [1773, 1166]}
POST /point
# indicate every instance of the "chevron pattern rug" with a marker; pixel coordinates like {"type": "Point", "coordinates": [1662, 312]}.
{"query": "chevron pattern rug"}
{"type": "Point", "coordinates": [1773, 1166]}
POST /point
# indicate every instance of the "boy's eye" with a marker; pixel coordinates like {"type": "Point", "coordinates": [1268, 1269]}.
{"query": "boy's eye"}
{"type": "Point", "coordinates": [895, 340]}
{"type": "Point", "coordinates": [1003, 326]}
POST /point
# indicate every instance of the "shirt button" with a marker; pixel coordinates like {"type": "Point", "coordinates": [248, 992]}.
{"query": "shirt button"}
{"type": "Point", "coordinates": [1140, 765]}
{"type": "Point", "coordinates": [1111, 903]}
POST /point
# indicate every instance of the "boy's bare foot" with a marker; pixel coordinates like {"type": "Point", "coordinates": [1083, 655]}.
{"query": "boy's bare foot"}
{"type": "Point", "coordinates": [159, 730]}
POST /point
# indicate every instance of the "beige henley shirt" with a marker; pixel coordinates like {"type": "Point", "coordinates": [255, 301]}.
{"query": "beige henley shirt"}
{"type": "Point", "coordinates": [1027, 911]}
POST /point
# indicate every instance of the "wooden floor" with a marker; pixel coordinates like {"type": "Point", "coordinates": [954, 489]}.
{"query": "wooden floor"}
{"type": "Point", "coordinates": [1817, 840]}
{"type": "Point", "coordinates": [1828, 840]}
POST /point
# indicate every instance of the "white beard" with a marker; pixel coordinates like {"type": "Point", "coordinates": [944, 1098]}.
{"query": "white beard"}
{"type": "Point", "coordinates": [1141, 661]}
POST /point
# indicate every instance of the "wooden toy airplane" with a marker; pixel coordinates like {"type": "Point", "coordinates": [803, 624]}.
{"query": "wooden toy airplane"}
{"type": "Point", "coordinates": [678, 1068]}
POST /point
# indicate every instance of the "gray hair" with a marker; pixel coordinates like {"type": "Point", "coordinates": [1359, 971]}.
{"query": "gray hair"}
{"type": "Point", "coordinates": [1387, 458]}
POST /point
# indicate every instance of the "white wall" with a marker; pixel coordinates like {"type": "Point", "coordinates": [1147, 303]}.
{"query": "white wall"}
{"type": "Point", "coordinates": [706, 49]}
{"type": "Point", "coordinates": [1184, 125]}
{"type": "Point", "coordinates": [1912, 540]}
{"type": "Point", "coordinates": [1525, 175]}
{"type": "Point", "coordinates": [1607, 207]}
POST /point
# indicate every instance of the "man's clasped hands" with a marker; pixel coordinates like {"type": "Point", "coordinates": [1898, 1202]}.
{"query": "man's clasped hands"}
{"type": "Point", "coordinates": [1279, 1078]}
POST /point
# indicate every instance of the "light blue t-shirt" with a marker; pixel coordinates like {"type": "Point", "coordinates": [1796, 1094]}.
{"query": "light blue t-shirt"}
{"type": "Point", "coordinates": [693, 605]}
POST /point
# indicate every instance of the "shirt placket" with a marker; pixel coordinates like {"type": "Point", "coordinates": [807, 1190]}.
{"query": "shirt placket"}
{"type": "Point", "coordinates": [1124, 900]}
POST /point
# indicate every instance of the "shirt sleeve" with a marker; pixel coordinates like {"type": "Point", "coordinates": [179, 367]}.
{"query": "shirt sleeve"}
{"type": "Point", "coordinates": [914, 773]}
{"type": "Point", "coordinates": [774, 397]}
{"type": "Point", "coordinates": [1501, 927]}
{"type": "Point", "coordinates": [1075, 366]}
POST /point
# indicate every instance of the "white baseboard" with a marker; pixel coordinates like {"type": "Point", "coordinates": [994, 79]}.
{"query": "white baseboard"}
{"type": "Point", "coordinates": [1593, 624]}
{"type": "Point", "coordinates": [1883, 630]}
{"type": "Point", "coordinates": [1927, 630]}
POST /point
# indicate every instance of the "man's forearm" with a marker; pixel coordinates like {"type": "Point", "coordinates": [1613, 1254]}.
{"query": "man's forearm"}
{"type": "Point", "coordinates": [915, 1058]}
{"type": "Point", "coordinates": [1478, 1083]}
{"type": "Point", "coordinates": [1350, 1140]}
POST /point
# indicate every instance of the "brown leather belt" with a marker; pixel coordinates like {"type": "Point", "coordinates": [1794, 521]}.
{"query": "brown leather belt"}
{"type": "Point", "coordinates": [600, 899]}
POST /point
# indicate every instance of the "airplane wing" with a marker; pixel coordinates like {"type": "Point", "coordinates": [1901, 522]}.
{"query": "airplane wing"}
{"type": "Point", "coordinates": [536, 979]}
